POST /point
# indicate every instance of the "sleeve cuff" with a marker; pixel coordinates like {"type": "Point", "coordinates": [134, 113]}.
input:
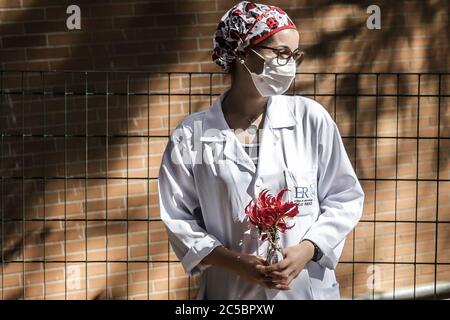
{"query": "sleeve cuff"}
{"type": "Point", "coordinates": [192, 260]}
{"type": "Point", "coordinates": [329, 258]}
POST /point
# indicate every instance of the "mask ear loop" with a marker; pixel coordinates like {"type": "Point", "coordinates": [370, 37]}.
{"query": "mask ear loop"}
{"type": "Point", "coordinates": [262, 57]}
{"type": "Point", "coordinates": [271, 64]}
{"type": "Point", "coordinates": [242, 61]}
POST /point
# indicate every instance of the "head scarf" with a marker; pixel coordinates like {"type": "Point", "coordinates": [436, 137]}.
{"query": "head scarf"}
{"type": "Point", "coordinates": [247, 23]}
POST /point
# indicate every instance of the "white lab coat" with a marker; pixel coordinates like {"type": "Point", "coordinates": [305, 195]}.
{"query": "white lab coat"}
{"type": "Point", "coordinates": [206, 179]}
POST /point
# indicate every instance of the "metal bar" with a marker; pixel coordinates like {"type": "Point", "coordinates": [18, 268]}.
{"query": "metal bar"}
{"type": "Point", "coordinates": [23, 190]}
{"type": "Point", "coordinates": [190, 112]}
{"type": "Point", "coordinates": [437, 187]}
{"type": "Point", "coordinates": [45, 173]}
{"type": "Point", "coordinates": [396, 183]}
{"type": "Point", "coordinates": [177, 261]}
{"type": "Point", "coordinates": [168, 244]}
{"type": "Point", "coordinates": [417, 182]}
{"type": "Point", "coordinates": [208, 72]}
{"type": "Point", "coordinates": [107, 182]}
{"type": "Point", "coordinates": [65, 189]}
{"type": "Point", "coordinates": [12, 135]}
{"type": "Point", "coordinates": [148, 185]}
{"type": "Point", "coordinates": [1, 195]}
{"type": "Point", "coordinates": [127, 203]}
{"type": "Point", "coordinates": [314, 86]}
{"type": "Point", "coordinates": [375, 182]}
{"type": "Point", "coordinates": [355, 162]}
{"type": "Point", "coordinates": [155, 178]}
{"type": "Point", "coordinates": [86, 174]}
{"type": "Point", "coordinates": [159, 220]}
{"type": "Point", "coordinates": [306, 94]}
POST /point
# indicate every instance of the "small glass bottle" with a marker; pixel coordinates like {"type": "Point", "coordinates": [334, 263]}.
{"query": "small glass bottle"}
{"type": "Point", "coordinates": [274, 249]}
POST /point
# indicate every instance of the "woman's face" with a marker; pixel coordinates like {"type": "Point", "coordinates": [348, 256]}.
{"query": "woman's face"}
{"type": "Point", "coordinates": [284, 38]}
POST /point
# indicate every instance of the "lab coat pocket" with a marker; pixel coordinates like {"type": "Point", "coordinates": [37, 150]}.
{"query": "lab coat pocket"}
{"type": "Point", "coordinates": [326, 292]}
{"type": "Point", "coordinates": [302, 187]}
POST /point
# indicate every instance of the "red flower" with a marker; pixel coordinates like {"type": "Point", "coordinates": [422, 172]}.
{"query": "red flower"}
{"type": "Point", "coordinates": [268, 213]}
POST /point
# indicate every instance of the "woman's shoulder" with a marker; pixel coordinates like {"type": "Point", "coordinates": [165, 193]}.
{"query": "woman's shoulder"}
{"type": "Point", "coordinates": [310, 110]}
{"type": "Point", "coordinates": [188, 123]}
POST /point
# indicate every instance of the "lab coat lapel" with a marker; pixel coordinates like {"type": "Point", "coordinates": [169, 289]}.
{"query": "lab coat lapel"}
{"type": "Point", "coordinates": [216, 129]}
{"type": "Point", "coordinates": [278, 115]}
{"type": "Point", "coordinates": [233, 151]}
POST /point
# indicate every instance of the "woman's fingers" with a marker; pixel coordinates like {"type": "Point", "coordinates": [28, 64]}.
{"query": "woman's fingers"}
{"type": "Point", "coordinates": [275, 279]}
{"type": "Point", "coordinates": [275, 285]}
{"type": "Point", "coordinates": [282, 287]}
{"type": "Point", "coordinates": [271, 280]}
{"type": "Point", "coordinates": [271, 283]}
{"type": "Point", "coordinates": [278, 275]}
{"type": "Point", "coordinates": [279, 266]}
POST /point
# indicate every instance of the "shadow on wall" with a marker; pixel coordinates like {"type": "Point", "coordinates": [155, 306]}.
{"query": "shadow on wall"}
{"type": "Point", "coordinates": [153, 42]}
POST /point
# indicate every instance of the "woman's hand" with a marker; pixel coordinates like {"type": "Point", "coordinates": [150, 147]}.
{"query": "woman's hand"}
{"type": "Point", "coordinates": [247, 267]}
{"type": "Point", "coordinates": [295, 259]}
{"type": "Point", "coordinates": [241, 263]}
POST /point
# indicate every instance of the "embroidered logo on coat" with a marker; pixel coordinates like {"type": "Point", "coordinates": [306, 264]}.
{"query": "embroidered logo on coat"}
{"type": "Point", "coordinates": [304, 195]}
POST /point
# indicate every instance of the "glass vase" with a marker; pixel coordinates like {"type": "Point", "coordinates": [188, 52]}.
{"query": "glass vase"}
{"type": "Point", "coordinates": [274, 249]}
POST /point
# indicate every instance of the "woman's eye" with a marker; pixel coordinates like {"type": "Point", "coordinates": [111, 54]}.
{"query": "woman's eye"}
{"type": "Point", "coordinates": [285, 54]}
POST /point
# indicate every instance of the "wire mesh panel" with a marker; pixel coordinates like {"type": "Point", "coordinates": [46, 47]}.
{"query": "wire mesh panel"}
{"type": "Point", "coordinates": [80, 153]}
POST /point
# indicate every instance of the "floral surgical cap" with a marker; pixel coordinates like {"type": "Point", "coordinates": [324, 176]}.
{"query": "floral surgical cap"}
{"type": "Point", "coordinates": [246, 23]}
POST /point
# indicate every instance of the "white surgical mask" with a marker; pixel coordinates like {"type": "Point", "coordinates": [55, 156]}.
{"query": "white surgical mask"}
{"type": "Point", "coordinates": [274, 79]}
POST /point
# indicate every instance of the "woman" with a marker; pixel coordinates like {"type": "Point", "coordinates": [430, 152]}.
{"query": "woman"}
{"type": "Point", "coordinates": [250, 139]}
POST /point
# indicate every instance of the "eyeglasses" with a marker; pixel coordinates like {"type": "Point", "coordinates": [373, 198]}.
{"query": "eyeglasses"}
{"type": "Point", "coordinates": [284, 54]}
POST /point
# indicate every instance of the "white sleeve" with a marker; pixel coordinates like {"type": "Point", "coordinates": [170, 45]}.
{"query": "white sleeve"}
{"type": "Point", "coordinates": [340, 195]}
{"type": "Point", "coordinates": [180, 210]}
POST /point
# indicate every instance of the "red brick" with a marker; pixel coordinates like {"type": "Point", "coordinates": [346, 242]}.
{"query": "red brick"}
{"type": "Point", "coordinates": [45, 27]}
{"type": "Point", "coordinates": [12, 55]}
{"type": "Point", "coordinates": [97, 24]}
{"type": "Point", "coordinates": [68, 38]}
{"type": "Point", "coordinates": [47, 53]}
{"type": "Point", "coordinates": [195, 6]}
{"type": "Point", "coordinates": [175, 20]}
{"type": "Point", "coordinates": [24, 41]}
{"type": "Point", "coordinates": [162, 7]}
{"type": "Point", "coordinates": [21, 15]}
{"type": "Point", "coordinates": [156, 59]}
{"type": "Point", "coordinates": [134, 22]}
{"type": "Point", "coordinates": [9, 3]}
{"type": "Point", "coordinates": [125, 9]}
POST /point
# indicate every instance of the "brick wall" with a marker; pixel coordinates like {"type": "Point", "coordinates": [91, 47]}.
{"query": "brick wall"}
{"type": "Point", "coordinates": [113, 214]}
{"type": "Point", "coordinates": [176, 35]}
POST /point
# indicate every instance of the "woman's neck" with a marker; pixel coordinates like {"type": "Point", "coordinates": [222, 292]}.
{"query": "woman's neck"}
{"type": "Point", "coordinates": [246, 102]}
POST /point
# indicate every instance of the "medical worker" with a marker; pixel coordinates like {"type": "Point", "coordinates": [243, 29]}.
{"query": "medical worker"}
{"type": "Point", "coordinates": [254, 138]}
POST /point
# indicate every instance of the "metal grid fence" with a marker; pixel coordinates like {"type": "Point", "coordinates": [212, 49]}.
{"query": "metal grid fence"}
{"type": "Point", "coordinates": [70, 112]}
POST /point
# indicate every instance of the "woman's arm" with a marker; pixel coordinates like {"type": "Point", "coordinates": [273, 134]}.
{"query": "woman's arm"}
{"type": "Point", "coordinates": [222, 257]}
{"type": "Point", "coordinates": [340, 195]}
{"type": "Point", "coordinates": [178, 201]}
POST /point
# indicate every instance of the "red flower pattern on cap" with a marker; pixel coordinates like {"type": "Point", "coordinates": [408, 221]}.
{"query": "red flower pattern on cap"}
{"type": "Point", "coordinates": [245, 24]}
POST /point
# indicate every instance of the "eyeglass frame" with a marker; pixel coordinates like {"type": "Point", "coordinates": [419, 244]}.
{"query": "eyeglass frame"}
{"type": "Point", "coordinates": [277, 51]}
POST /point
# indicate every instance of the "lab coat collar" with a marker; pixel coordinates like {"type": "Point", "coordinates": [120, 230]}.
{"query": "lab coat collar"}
{"type": "Point", "coordinates": [215, 129]}
{"type": "Point", "coordinates": [279, 114]}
